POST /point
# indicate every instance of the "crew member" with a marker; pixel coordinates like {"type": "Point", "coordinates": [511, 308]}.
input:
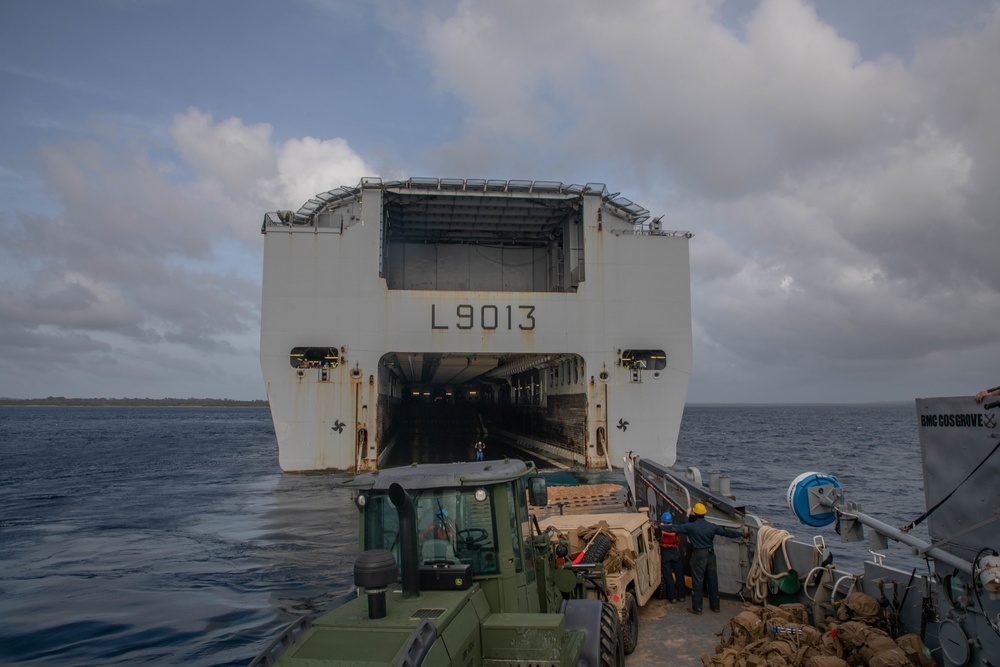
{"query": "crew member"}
{"type": "Point", "coordinates": [670, 559]}
{"type": "Point", "coordinates": [480, 448]}
{"type": "Point", "coordinates": [439, 527]}
{"type": "Point", "coordinates": [701, 534]}
{"type": "Point", "coordinates": [985, 393]}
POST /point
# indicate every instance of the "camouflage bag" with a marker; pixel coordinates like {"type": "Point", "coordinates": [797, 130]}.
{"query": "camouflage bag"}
{"type": "Point", "coordinates": [876, 645]}
{"type": "Point", "coordinates": [860, 607]}
{"type": "Point", "coordinates": [853, 634]}
{"type": "Point", "coordinates": [831, 643]}
{"type": "Point", "coordinates": [797, 612]}
{"type": "Point", "coordinates": [772, 614]}
{"type": "Point", "coordinates": [746, 627]}
{"type": "Point", "coordinates": [894, 657]}
{"type": "Point", "coordinates": [915, 650]}
{"type": "Point", "coordinates": [826, 661]}
{"type": "Point", "coordinates": [725, 658]}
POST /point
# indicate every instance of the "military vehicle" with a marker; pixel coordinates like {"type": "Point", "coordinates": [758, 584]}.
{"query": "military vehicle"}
{"type": "Point", "coordinates": [479, 583]}
{"type": "Point", "coordinates": [636, 575]}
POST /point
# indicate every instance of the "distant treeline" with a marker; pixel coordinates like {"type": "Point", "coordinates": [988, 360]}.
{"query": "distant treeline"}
{"type": "Point", "coordinates": [137, 402]}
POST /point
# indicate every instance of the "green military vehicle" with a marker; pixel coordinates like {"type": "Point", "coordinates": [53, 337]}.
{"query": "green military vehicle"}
{"type": "Point", "coordinates": [454, 572]}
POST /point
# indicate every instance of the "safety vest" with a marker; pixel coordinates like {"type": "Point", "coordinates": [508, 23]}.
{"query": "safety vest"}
{"type": "Point", "coordinates": [668, 540]}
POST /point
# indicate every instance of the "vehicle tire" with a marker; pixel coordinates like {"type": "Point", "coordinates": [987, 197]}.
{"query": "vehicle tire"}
{"type": "Point", "coordinates": [661, 590]}
{"type": "Point", "coordinates": [612, 654]}
{"type": "Point", "coordinates": [630, 623]}
{"type": "Point", "coordinates": [597, 549]}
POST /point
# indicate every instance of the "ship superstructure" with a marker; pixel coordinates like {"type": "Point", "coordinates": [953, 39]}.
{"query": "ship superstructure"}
{"type": "Point", "coordinates": [554, 316]}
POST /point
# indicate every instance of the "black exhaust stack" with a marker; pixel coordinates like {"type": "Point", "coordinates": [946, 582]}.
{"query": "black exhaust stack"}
{"type": "Point", "coordinates": [407, 539]}
{"type": "Point", "coordinates": [374, 570]}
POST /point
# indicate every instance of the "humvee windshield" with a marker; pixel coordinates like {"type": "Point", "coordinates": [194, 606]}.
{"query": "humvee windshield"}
{"type": "Point", "coordinates": [453, 527]}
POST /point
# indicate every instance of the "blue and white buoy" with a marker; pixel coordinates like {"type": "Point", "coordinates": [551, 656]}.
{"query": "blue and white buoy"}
{"type": "Point", "coordinates": [799, 502]}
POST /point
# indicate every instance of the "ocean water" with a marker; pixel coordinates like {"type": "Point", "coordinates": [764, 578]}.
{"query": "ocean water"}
{"type": "Point", "coordinates": [163, 536]}
{"type": "Point", "coordinates": [873, 450]}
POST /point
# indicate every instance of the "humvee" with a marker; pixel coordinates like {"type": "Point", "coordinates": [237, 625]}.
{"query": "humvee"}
{"type": "Point", "coordinates": [636, 578]}
{"type": "Point", "coordinates": [453, 571]}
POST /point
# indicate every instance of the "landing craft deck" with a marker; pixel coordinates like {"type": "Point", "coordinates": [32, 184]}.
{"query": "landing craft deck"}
{"type": "Point", "coordinates": [671, 636]}
{"type": "Point", "coordinates": [557, 316]}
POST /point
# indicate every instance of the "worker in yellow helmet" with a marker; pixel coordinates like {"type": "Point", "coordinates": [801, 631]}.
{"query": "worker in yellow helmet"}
{"type": "Point", "coordinates": [701, 534]}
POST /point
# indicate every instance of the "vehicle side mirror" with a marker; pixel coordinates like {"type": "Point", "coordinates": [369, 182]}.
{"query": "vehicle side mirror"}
{"type": "Point", "coordinates": [538, 495]}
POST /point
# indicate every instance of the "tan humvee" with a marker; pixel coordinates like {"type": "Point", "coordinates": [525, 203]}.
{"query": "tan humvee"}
{"type": "Point", "coordinates": [631, 567]}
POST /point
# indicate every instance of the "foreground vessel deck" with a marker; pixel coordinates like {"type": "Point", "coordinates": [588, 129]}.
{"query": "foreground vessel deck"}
{"type": "Point", "coordinates": [668, 634]}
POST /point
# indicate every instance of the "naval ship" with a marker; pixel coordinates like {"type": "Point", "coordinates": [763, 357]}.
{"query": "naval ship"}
{"type": "Point", "coordinates": [532, 314]}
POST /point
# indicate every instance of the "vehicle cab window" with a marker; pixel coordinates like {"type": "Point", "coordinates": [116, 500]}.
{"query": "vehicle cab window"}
{"type": "Point", "coordinates": [454, 526]}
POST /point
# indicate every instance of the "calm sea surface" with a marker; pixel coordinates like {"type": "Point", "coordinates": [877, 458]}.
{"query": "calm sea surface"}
{"type": "Point", "coordinates": [169, 535]}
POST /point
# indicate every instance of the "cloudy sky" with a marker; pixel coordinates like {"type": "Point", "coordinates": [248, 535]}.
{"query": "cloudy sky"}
{"type": "Point", "coordinates": [837, 160]}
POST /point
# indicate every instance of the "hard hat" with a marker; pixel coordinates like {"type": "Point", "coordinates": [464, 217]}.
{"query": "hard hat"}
{"type": "Point", "coordinates": [700, 509]}
{"type": "Point", "coordinates": [666, 517]}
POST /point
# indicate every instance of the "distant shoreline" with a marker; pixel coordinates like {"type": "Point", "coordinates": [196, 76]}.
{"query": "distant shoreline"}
{"type": "Point", "coordinates": [60, 401]}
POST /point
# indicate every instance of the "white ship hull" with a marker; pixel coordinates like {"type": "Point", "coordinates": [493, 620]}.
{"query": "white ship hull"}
{"type": "Point", "coordinates": [411, 298]}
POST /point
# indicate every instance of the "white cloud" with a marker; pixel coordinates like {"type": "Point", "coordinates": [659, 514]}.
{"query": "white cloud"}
{"type": "Point", "coordinates": [876, 257]}
{"type": "Point", "coordinates": [240, 172]}
{"type": "Point", "coordinates": [844, 209]}
{"type": "Point", "coordinates": [309, 166]}
{"type": "Point", "coordinates": [236, 154]}
{"type": "Point", "coordinates": [665, 84]}
{"type": "Point", "coordinates": [155, 251]}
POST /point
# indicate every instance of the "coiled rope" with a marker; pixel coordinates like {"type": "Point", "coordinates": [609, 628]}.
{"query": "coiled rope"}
{"type": "Point", "coordinates": [769, 540]}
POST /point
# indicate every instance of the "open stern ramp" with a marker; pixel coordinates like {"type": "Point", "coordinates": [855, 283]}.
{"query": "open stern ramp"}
{"type": "Point", "coordinates": [555, 316]}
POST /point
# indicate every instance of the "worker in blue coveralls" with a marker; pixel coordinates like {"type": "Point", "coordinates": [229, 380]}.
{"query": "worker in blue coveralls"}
{"type": "Point", "coordinates": [701, 534]}
{"type": "Point", "coordinates": [670, 559]}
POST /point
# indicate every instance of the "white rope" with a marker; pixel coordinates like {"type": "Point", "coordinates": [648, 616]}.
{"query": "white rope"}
{"type": "Point", "coordinates": [769, 540]}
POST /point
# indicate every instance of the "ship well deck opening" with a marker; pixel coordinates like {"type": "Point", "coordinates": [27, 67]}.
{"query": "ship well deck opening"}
{"type": "Point", "coordinates": [433, 407]}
